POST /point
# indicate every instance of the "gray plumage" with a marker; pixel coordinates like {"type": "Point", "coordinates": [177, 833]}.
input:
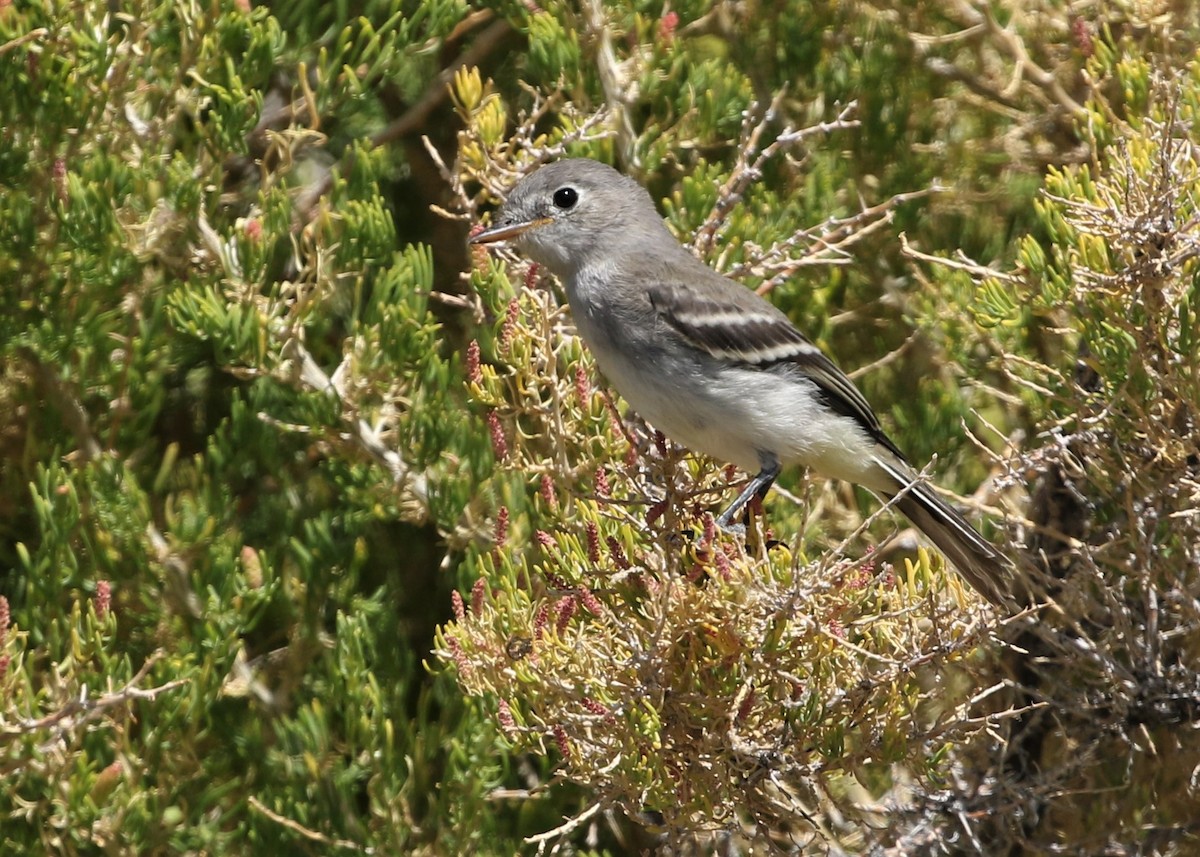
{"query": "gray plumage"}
{"type": "Point", "coordinates": [709, 362]}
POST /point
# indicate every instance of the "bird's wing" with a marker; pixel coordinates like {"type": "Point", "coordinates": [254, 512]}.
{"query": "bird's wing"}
{"type": "Point", "coordinates": [733, 323]}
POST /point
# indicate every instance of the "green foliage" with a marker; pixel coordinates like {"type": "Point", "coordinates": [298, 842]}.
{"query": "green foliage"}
{"type": "Point", "coordinates": [250, 453]}
{"type": "Point", "coordinates": [166, 329]}
{"type": "Point", "coordinates": [1118, 285]}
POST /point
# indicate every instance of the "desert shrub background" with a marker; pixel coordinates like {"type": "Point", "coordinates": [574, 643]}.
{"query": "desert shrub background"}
{"type": "Point", "coordinates": [319, 533]}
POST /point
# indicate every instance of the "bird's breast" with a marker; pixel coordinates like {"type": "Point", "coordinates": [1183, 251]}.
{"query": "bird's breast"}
{"type": "Point", "coordinates": [667, 384]}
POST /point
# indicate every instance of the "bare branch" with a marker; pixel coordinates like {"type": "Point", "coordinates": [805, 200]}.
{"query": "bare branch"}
{"type": "Point", "coordinates": [299, 829]}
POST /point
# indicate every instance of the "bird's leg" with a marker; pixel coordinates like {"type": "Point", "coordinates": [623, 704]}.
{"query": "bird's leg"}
{"type": "Point", "coordinates": [758, 487]}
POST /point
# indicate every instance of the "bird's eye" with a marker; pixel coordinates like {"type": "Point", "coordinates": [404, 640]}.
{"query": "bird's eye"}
{"type": "Point", "coordinates": [566, 197]}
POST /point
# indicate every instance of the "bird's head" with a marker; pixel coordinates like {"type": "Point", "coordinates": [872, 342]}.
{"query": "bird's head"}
{"type": "Point", "coordinates": [571, 213]}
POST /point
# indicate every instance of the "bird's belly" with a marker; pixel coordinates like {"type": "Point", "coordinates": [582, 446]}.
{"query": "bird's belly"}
{"type": "Point", "coordinates": [740, 415]}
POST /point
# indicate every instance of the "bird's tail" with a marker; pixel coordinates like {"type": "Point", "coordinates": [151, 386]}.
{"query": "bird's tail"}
{"type": "Point", "coordinates": [988, 571]}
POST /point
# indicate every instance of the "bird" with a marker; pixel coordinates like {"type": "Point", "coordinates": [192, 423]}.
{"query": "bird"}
{"type": "Point", "coordinates": [709, 362]}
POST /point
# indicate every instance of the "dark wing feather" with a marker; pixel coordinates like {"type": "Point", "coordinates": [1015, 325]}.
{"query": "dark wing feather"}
{"type": "Point", "coordinates": [746, 329]}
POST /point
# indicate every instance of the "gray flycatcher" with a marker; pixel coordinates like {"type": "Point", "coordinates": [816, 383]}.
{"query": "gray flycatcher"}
{"type": "Point", "coordinates": [709, 362]}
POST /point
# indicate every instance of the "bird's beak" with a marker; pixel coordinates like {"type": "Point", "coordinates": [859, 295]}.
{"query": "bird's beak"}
{"type": "Point", "coordinates": [507, 231]}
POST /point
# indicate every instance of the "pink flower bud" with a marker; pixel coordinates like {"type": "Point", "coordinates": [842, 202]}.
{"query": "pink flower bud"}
{"type": "Point", "coordinates": [465, 669]}
{"type": "Point", "coordinates": [473, 373]}
{"type": "Point", "coordinates": [456, 604]}
{"type": "Point", "coordinates": [477, 593]}
{"type": "Point", "coordinates": [560, 738]}
{"type": "Point", "coordinates": [504, 714]}
{"type": "Point", "coordinates": [548, 492]}
{"type": "Point", "coordinates": [541, 619]}
{"type": "Point", "coordinates": [593, 542]}
{"type": "Point", "coordinates": [666, 27]}
{"type": "Point", "coordinates": [531, 275]}
{"type": "Point", "coordinates": [583, 389]}
{"type": "Point", "coordinates": [103, 600]}
{"type": "Point", "coordinates": [496, 431]}
{"type": "Point", "coordinates": [618, 554]}
{"type": "Point", "coordinates": [510, 322]}
{"type": "Point", "coordinates": [501, 535]}
{"type": "Point", "coordinates": [589, 600]}
{"type": "Point", "coordinates": [566, 611]}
